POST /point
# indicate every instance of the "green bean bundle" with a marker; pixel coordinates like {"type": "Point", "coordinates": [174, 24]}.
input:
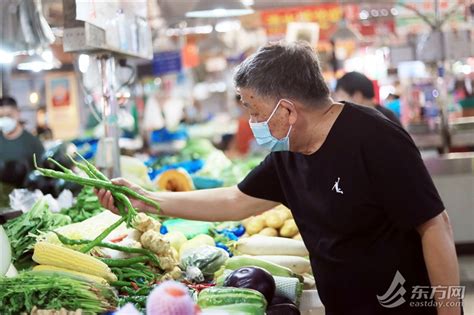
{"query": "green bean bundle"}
{"type": "Point", "coordinates": [98, 180]}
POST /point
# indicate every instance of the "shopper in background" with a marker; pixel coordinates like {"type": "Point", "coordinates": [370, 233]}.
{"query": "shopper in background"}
{"type": "Point", "coordinates": [17, 145]}
{"type": "Point", "coordinates": [358, 89]}
{"type": "Point", "coordinates": [359, 191]}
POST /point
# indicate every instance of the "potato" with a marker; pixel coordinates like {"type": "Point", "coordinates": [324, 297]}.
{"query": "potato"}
{"type": "Point", "coordinates": [245, 222]}
{"type": "Point", "coordinates": [297, 237]}
{"type": "Point", "coordinates": [284, 212]}
{"type": "Point", "coordinates": [255, 225]}
{"type": "Point", "coordinates": [274, 220]}
{"type": "Point", "coordinates": [268, 231]}
{"type": "Point", "coordinates": [289, 228]}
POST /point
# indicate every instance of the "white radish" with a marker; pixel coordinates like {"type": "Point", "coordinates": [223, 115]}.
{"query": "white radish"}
{"type": "Point", "coordinates": [297, 264]}
{"type": "Point", "coordinates": [268, 245]}
{"type": "Point", "coordinates": [308, 283]}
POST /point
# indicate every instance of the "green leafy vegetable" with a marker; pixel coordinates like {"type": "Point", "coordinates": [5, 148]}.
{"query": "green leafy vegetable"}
{"type": "Point", "coordinates": [53, 291]}
{"type": "Point", "coordinates": [23, 230]}
{"type": "Point", "coordinates": [87, 205]}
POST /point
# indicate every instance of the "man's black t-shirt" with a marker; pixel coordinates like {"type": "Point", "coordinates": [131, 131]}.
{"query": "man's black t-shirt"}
{"type": "Point", "coordinates": [357, 202]}
{"type": "Point", "coordinates": [389, 114]}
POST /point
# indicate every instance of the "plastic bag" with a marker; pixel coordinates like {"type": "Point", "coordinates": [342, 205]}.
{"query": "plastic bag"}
{"type": "Point", "coordinates": [207, 259]}
{"type": "Point", "coordinates": [23, 199]}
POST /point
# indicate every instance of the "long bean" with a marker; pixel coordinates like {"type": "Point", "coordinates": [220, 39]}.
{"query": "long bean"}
{"type": "Point", "coordinates": [120, 284]}
{"type": "Point", "coordinates": [119, 196]}
{"type": "Point", "coordinates": [102, 236]}
{"type": "Point", "coordinates": [98, 183]}
{"type": "Point", "coordinates": [124, 262]}
{"type": "Point", "coordinates": [62, 167]}
{"type": "Point", "coordinates": [98, 175]}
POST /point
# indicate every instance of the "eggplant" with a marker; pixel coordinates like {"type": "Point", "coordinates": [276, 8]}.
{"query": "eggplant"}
{"type": "Point", "coordinates": [283, 309]}
{"type": "Point", "coordinates": [253, 278]}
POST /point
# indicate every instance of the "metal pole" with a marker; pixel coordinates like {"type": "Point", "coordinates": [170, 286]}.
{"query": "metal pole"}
{"type": "Point", "coordinates": [108, 158]}
{"type": "Point", "coordinates": [5, 74]}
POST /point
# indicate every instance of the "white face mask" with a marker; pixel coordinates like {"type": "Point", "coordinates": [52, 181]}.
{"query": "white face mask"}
{"type": "Point", "coordinates": [7, 124]}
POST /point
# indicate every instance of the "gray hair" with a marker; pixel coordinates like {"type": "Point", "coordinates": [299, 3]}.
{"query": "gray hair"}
{"type": "Point", "coordinates": [284, 70]}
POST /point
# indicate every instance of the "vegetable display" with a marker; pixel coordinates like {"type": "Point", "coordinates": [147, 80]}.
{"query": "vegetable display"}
{"type": "Point", "coordinates": [22, 231]}
{"type": "Point", "coordinates": [54, 291]}
{"type": "Point", "coordinates": [92, 261]}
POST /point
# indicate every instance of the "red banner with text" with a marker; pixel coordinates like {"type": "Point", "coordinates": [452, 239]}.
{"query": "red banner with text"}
{"type": "Point", "coordinates": [326, 15]}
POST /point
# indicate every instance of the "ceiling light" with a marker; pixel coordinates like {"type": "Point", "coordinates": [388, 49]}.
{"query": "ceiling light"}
{"type": "Point", "coordinates": [364, 15]}
{"type": "Point", "coordinates": [227, 26]}
{"type": "Point", "coordinates": [83, 62]}
{"type": "Point", "coordinates": [6, 57]}
{"type": "Point", "coordinates": [39, 62]}
{"type": "Point", "coordinates": [34, 98]}
{"type": "Point", "coordinates": [219, 9]}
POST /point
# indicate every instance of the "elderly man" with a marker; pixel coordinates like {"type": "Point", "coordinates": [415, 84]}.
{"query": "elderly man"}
{"type": "Point", "coordinates": [363, 200]}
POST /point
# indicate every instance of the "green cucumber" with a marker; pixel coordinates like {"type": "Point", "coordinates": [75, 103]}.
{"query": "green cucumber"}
{"type": "Point", "coordinates": [218, 296]}
{"type": "Point", "coordinates": [238, 309]}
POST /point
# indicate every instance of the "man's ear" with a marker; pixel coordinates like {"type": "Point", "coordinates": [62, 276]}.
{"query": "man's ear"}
{"type": "Point", "coordinates": [291, 108]}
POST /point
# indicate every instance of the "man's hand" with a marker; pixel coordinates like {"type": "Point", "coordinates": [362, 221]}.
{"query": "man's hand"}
{"type": "Point", "coordinates": [107, 200]}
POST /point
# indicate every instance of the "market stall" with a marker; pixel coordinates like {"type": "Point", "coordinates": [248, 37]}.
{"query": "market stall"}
{"type": "Point", "coordinates": [87, 258]}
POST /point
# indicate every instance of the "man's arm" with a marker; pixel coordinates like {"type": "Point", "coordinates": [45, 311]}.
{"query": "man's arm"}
{"type": "Point", "coordinates": [440, 258]}
{"type": "Point", "coordinates": [221, 204]}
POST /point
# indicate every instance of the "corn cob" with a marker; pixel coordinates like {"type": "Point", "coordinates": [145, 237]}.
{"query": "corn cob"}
{"type": "Point", "coordinates": [72, 272]}
{"type": "Point", "coordinates": [58, 256]}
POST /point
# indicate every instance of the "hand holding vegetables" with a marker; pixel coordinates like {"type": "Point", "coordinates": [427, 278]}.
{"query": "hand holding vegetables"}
{"type": "Point", "coordinates": [98, 180]}
{"type": "Point", "coordinates": [106, 197]}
